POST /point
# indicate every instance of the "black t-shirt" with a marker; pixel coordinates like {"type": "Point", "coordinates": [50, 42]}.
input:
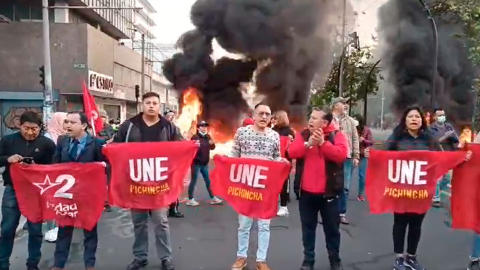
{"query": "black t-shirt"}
{"type": "Point", "coordinates": [152, 133]}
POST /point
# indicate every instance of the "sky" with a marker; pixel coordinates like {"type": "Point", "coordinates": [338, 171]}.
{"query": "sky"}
{"type": "Point", "coordinates": [173, 19]}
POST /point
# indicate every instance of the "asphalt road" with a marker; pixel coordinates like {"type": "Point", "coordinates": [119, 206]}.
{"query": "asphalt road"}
{"type": "Point", "coordinates": [206, 240]}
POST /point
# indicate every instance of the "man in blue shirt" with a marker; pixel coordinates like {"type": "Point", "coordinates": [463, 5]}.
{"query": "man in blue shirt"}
{"type": "Point", "coordinates": [78, 146]}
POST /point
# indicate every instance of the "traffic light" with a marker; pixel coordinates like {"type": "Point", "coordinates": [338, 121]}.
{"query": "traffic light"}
{"type": "Point", "coordinates": [42, 76]}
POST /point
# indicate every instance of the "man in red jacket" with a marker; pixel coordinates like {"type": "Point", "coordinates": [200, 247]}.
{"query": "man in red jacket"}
{"type": "Point", "coordinates": [320, 151]}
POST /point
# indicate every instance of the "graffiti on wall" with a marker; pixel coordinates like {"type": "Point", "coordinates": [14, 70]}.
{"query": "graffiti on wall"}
{"type": "Point", "coordinates": [11, 119]}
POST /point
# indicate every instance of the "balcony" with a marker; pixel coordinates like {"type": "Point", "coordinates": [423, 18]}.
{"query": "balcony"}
{"type": "Point", "coordinates": [115, 23]}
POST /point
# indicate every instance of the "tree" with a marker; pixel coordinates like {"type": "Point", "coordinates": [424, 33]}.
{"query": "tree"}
{"type": "Point", "coordinates": [357, 66]}
{"type": "Point", "coordinates": [465, 13]}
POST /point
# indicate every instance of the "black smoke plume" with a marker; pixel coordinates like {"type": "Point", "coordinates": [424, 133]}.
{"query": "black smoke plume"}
{"type": "Point", "coordinates": [406, 37]}
{"type": "Point", "coordinates": [283, 45]}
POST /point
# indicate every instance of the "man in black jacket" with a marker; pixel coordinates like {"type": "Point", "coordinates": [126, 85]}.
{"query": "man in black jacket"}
{"type": "Point", "coordinates": [26, 145]}
{"type": "Point", "coordinates": [149, 126]}
{"type": "Point", "coordinates": [78, 146]}
{"type": "Point", "coordinates": [200, 163]}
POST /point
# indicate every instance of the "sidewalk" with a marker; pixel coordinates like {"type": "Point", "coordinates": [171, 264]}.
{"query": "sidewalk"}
{"type": "Point", "coordinates": [23, 220]}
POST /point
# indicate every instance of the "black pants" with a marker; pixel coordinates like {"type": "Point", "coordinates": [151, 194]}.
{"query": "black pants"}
{"type": "Point", "coordinates": [62, 247]}
{"type": "Point", "coordinates": [400, 223]}
{"type": "Point", "coordinates": [310, 204]}
{"type": "Point", "coordinates": [285, 194]}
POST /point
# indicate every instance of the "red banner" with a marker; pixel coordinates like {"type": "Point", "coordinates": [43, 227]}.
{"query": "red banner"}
{"type": "Point", "coordinates": [148, 175]}
{"type": "Point", "coordinates": [465, 199]}
{"type": "Point", "coordinates": [284, 142]}
{"type": "Point", "coordinates": [91, 110]}
{"type": "Point", "coordinates": [405, 181]}
{"type": "Point", "coordinates": [72, 194]}
{"type": "Point", "coordinates": [250, 186]}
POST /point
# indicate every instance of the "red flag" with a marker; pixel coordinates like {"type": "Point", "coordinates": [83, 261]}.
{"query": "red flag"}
{"type": "Point", "coordinates": [72, 194]}
{"type": "Point", "coordinates": [148, 175]}
{"type": "Point", "coordinates": [465, 199]}
{"type": "Point", "coordinates": [250, 186]}
{"type": "Point", "coordinates": [91, 110]}
{"type": "Point", "coordinates": [284, 141]}
{"type": "Point", "coordinates": [405, 181]}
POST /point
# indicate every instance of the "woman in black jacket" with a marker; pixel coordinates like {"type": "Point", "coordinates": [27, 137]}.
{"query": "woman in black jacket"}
{"type": "Point", "coordinates": [412, 133]}
{"type": "Point", "coordinates": [283, 129]}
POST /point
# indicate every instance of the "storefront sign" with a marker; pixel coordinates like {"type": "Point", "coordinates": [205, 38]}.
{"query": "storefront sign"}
{"type": "Point", "coordinates": [100, 82]}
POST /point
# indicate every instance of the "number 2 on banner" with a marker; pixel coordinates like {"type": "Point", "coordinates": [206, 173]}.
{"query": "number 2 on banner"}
{"type": "Point", "coordinates": [62, 192]}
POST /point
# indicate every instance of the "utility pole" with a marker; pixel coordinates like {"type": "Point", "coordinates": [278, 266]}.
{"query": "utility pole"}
{"type": "Point", "coordinates": [342, 65]}
{"type": "Point", "coordinates": [48, 89]}
{"type": "Point", "coordinates": [143, 65]}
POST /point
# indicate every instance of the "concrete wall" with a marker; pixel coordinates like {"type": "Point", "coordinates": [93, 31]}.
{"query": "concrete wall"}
{"type": "Point", "coordinates": [21, 55]}
{"type": "Point", "coordinates": [108, 57]}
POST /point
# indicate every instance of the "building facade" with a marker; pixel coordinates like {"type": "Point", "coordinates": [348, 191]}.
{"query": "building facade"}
{"type": "Point", "coordinates": [85, 47]}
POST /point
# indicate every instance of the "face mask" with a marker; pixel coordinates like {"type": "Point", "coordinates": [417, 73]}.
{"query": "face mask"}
{"type": "Point", "coordinates": [441, 119]}
{"type": "Point", "coordinates": [203, 133]}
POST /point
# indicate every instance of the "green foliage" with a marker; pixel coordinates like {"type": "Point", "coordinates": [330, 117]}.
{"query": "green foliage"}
{"type": "Point", "coordinates": [357, 66]}
{"type": "Point", "coordinates": [465, 13]}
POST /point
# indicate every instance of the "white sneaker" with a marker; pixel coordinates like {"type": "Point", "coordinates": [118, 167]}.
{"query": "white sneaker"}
{"type": "Point", "coordinates": [192, 202]}
{"type": "Point", "coordinates": [51, 236]}
{"type": "Point", "coordinates": [282, 211]}
{"type": "Point", "coordinates": [216, 200]}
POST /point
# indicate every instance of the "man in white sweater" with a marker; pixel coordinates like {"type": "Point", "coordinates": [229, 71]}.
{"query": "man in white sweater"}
{"type": "Point", "coordinates": [260, 142]}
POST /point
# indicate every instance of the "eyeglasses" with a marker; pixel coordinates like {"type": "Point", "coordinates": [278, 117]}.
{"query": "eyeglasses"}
{"type": "Point", "coordinates": [267, 114]}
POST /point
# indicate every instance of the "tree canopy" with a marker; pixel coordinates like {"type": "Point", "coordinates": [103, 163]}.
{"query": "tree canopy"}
{"type": "Point", "coordinates": [357, 65]}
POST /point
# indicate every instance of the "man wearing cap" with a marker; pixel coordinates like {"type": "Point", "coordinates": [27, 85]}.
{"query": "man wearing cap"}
{"type": "Point", "coordinates": [200, 163]}
{"type": "Point", "coordinates": [348, 127]}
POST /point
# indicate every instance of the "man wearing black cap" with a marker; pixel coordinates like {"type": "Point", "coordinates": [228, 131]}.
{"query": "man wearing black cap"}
{"type": "Point", "coordinates": [200, 163]}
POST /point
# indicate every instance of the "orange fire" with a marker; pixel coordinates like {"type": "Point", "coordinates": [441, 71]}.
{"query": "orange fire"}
{"type": "Point", "coordinates": [191, 110]}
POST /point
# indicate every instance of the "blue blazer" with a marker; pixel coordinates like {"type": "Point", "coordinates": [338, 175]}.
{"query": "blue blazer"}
{"type": "Point", "coordinates": [92, 152]}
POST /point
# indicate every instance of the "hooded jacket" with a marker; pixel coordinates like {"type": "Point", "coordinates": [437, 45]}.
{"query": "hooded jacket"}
{"type": "Point", "coordinates": [319, 169]}
{"type": "Point", "coordinates": [129, 131]}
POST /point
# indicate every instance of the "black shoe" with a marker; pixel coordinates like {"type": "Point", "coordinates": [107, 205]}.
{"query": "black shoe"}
{"type": "Point", "coordinates": [307, 265]}
{"type": "Point", "coordinates": [167, 265]}
{"type": "Point", "coordinates": [137, 264]}
{"type": "Point", "coordinates": [175, 214]}
{"type": "Point", "coordinates": [107, 208]}
{"type": "Point", "coordinates": [335, 263]}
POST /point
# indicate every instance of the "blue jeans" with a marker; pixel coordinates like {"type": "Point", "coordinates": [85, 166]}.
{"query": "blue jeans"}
{"type": "Point", "coordinates": [245, 224]}
{"type": "Point", "coordinates": [476, 246]}
{"type": "Point", "coordinates": [362, 171]}
{"type": "Point", "coordinates": [8, 228]}
{"type": "Point", "coordinates": [441, 185]}
{"type": "Point", "coordinates": [347, 178]}
{"type": "Point", "coordinates": [64, 240]}
{"type": "Point", "coordinates": [203, 169]}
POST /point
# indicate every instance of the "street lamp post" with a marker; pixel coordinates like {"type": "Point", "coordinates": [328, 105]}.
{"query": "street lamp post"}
{"type": "Point", "coordinates": [435, 52]}
{"type": "Point", "coordinates": [367, 81]}
{"type": "Point", "coordinates": [48, 89]}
